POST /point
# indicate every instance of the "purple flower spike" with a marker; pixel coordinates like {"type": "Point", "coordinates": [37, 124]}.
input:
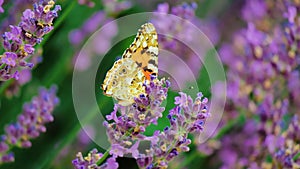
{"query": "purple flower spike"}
{"type": "Point", "coordinates": [28, 48]}
{"type": "Point", "coordinates": [90, 161]}
{"type": "Point", "coordinates": [171, 142]}
{"type": "Point", "coordinates": [126, 132]}
{"type": "Point", "coordinates": [112, 163]}
{"type": "Point", "coordinates": [9, 58]}
{"type": "Point", "coordinates": [263, 86]}
{"type": "Point", "coordinates": [19, 42]}
{"type": "Point", "coordinates": [29, 124]}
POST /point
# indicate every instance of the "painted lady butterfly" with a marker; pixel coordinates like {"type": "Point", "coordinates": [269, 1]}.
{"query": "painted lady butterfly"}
{"type": "Point", "coordinates": [125, 79]}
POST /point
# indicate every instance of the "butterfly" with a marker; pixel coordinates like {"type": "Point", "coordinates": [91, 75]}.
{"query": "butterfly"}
{"type": "Point", "coordinates": [138, 64]}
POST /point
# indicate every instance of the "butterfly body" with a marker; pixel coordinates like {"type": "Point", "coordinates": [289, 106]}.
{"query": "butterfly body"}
{"type": "Point", "coordinates": [139, 62]}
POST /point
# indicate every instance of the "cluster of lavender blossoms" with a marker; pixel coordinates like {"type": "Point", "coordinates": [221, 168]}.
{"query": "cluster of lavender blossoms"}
{"type": "Point", "coordinates": [30, 123]}
{"type": "Point", "coordinates": [126, 132]}
{"type": "Point", "coordinates": [20, 41]}
{"type": "Point", "coordinates": [91, 161]}
{"type": "Point", "coordinates": [263, 86]}
{"type": "Point", "coordinates": [14, 13]}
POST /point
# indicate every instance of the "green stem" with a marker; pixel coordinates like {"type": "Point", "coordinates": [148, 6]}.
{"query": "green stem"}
{"type": "Point", "coordinates": [296, 156]}
{"type": "Point", "coordinates": [103, 158]}
{"type": "Point", "coordinates": [2, 66]}
{"type": "Point", "coordinates": [5, 85]}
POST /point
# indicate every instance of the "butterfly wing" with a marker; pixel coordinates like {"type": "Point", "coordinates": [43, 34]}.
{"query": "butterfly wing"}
{"type": "Point", "coordinates": [125, 79]}
{"type": "Point", "coordinates": [144, 50]}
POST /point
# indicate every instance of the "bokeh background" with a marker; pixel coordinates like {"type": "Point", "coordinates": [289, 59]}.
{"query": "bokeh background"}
{"type": "Point", "coordinates": [258, 42]}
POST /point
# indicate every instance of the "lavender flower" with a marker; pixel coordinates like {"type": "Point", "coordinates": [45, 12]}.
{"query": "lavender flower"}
{"type": "Point", "coordinates": [254, 143]}
{"type": "Point", "coordinates": [262, 83]}
{"type": "Point", "coordinates": [126, 132]}
{"type": "Point", "coordinates": [24, 76]}
{"type": "Point", "coordinates": [29, 124]}
{"type": "Point", "coordinates": [128, 128]}
{"type": "Point", "coordinates": [251, 144]}
{"type": "Point", "coordinates": [261, 62]}
{"type": "Point", "coordinates": [14, 13]}
{"type": "Point", "coordinates": [19, 42]}
{"type": "Point", "coordinates": [187, 117]}
{"type": "Point", "coordinates": [90, 161]}
{"type": "Point", "coordinates": [287, 154]}
{"type": "Point", "coordinates": [9, 58]}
